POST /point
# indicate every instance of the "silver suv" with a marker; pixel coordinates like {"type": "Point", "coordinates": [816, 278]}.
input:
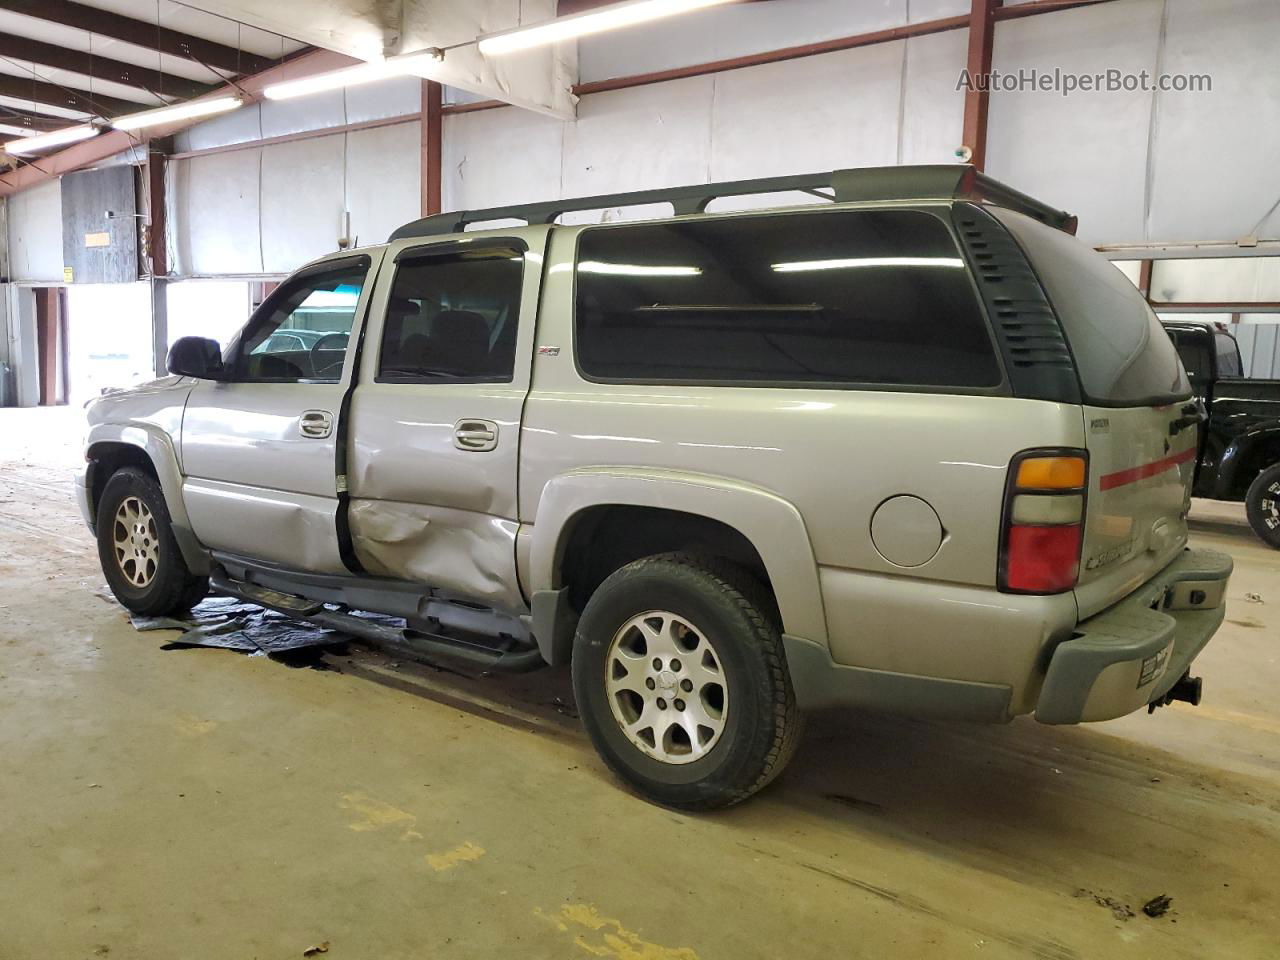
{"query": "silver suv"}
{"type": "Point", "coordinates": [908, 446]}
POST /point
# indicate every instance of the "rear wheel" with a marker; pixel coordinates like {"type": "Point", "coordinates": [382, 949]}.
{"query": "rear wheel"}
{"type": "Point", "coordinates": [1263, 505]}
{"type": "Point", "coordinates": [140, 558]}
{"type": "Point", "coordinates": [680, 678]}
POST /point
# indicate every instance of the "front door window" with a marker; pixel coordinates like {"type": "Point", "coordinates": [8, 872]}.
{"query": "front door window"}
{"type": "Point", "coordinates": [303, 331]}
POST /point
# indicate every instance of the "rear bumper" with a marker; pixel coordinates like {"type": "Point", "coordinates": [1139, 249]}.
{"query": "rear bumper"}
{"type": "Point", "coordinates": [1135, 651]}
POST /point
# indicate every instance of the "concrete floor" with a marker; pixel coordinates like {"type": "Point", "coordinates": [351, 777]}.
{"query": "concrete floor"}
{"type": "Point", "coordinates": [202, 804]}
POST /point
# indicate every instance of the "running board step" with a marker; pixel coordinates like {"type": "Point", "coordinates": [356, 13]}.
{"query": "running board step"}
{"type": "Point", "coordinates": [408, 642]}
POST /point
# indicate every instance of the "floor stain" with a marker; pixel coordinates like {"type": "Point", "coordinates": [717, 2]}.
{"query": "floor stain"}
{"type": "Point", "coordinates": [463, 853]}
{"type": "Point", "coordinates": [378, 815]}
{"type": "Point", "coordinates": [193, 726]}
{"type": "Point", "coordinates": [606, 937]}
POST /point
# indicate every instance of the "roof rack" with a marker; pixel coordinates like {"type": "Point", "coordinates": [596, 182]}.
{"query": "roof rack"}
{"type": "Point", "coordinates": [952, 181]}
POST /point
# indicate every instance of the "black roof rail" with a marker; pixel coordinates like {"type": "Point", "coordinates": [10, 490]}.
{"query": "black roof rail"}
{"type": "Point", "coordinates": [951, 181]}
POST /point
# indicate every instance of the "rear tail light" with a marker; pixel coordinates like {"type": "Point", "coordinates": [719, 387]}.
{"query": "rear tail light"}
{"type": "Point", "coordinates": [1043, 525]}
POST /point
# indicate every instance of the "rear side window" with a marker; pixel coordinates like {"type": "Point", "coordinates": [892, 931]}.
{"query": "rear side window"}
{"type": "Point", "coordinates": [858, 297]}
{"type": "Point", "coordinates": [1122, 354]}
{"type": "Point", "coordinates": [452, 316]}
{"type": "Point", "coordinates": [1193, 351]}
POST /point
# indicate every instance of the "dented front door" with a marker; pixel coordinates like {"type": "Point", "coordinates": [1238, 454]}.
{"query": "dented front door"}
{"type": "Point", "coordinates": [435, 421]}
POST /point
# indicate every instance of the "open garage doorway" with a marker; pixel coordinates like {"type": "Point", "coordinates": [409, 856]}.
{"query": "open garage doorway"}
{"type": "Point", "coordinates": [108, 340]}
{"type": "Point", "coordinates": [108, 337]}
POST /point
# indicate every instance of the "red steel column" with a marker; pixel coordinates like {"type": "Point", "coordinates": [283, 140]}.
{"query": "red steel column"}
{"type": "Point", "coordinates": [981, 32]}
{"type": "Point", "coordinates": [432, 129]}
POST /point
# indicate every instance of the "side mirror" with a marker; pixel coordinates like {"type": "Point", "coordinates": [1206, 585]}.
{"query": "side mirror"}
{"type": "Point", "coordinates": [196, 357]}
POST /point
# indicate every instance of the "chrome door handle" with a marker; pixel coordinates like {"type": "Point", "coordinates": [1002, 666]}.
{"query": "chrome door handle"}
{"type": "Point", "coordinates": [475, 435]}
{"type": "Point", "coordinates": [316, 424]}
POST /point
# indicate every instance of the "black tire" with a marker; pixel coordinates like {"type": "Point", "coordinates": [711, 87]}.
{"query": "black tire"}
{"type": "Point", "coordinates": [1263, 505]}
{"type": "Point", "coordinates": [171, 588]}
{"type": "Point", "coordinates": [762, 724]}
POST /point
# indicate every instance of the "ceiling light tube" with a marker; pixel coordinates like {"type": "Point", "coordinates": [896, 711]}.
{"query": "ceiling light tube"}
{"type": "Point", "coordinates": [176, 112]}
{"type": "Point", "coordinates": [54, 138]}
{"type": "Point", "coordinates": [11, 130]}
{"type": "Point", "coordinates": [613, 17]}
{"type": "Point", "coordinates": [405, 63]}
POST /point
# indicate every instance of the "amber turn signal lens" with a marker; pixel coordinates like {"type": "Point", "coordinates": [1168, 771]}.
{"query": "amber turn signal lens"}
{"type": "Point", "coordinates": [1051, 473]}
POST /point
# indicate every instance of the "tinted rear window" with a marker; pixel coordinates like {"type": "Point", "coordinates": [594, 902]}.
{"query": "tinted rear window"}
{"type": "Point", "coordinates": [871, 297]}
{"type": "Point", "coordinates": [1122, 354]}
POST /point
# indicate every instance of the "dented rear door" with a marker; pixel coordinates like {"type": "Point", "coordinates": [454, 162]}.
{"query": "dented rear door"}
{"type": "Point", "coordinates": [434, 424]}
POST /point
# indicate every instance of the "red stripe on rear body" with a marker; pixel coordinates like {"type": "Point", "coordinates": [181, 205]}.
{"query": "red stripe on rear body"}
{"type": "Point", "coordinates": [1133, 474]}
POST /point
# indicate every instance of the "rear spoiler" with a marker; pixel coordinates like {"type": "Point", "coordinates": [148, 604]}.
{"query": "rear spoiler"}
{"type": "Point", "coordinates": [952, 181]}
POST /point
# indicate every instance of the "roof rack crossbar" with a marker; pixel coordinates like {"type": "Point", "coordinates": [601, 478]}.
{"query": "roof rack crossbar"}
{"type": "Point", "coordinates": [933, 182]}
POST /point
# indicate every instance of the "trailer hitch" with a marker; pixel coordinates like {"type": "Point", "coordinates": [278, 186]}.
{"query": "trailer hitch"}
{"type": "Point", "coordinates": [1187, 689]}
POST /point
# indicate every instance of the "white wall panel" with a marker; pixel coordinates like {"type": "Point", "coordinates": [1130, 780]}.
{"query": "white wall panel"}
{"type": "Point", "coordinates": [921, 10]}
{"type": "Point", "coordinates": [35, 233]}
{"type": "Point", "coordinates": [383, 182]}
{"type": "Point", "coordinates": [503, 156]}
{"type": "Point", "coordinates": [313, 112]}
{"type": "Point", "coordinates": [1086, 153]}
{"type": "Point", "coordinates": [238, 126]}
{"type": "Point", "coordinates": [303, 200]}
{"type": "Point", "coordinates": [819, 113]}
{"type": "Point", "coordinates": [637, 139]}
{"type": "Point", "coordinates": [387, 98]}
{"type": "Point", "coordinates": [736, 30]}
{"type": "Point", "coordinates": [932, 107]}
{"type": "Point", "coordinates": [1215, 167]}
{"type": "Point", "coordinates": [214, 218]}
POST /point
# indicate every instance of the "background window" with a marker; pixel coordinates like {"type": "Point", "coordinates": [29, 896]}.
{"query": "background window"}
{"type": "Point", "coordinates": [1228, 355]}
{"type": "Point", "coordinates": [453, 316]}
{"type": "Point", "coordinates": [824, 298]}
{"type": "Point", "coordinates": [303, 331]}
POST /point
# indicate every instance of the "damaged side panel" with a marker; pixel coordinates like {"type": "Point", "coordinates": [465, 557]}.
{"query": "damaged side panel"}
{"type": "Point", "coordinates": [457, 551]}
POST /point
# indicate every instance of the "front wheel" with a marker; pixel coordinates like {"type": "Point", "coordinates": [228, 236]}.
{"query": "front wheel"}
{"type": "Point", "coordinates": [680, 678]}
{"type": "Point", "coordinates": [1263, 505]}
{"type": "Point", "coordinates": [139, 555]}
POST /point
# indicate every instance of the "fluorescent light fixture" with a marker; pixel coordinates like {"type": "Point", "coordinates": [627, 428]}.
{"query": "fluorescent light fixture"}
{"type": "Point", "coordinates": [54, 138]}
{"type": "Point", "coordinates": [636, 269]}
{"type": "Point", "coordinates": [9, 130]}
{"type": "Point", "coordinates": [179, 111]}
{"type": "Point", "coordinates": [354, 76]}
{"type": "Point", "coordinates": [800, 266]}
{"type": "Point", "coordinates": [613, 17]}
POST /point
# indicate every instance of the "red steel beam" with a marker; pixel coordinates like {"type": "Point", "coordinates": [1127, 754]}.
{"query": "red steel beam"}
{"type": "Point", "coordinates": [432, 145]}
{"type": "Point", "coordinates": [153, 175]}
{"type": "Point", "coordinates": [977, 98]}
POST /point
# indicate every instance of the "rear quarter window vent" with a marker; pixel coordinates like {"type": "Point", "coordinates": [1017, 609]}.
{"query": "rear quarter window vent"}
{"type": "Point", "coordinates": [1036, 357]}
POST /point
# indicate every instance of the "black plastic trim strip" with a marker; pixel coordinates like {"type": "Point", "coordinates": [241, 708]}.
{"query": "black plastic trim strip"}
{"type": "Point", "coordinates": [1037, 360]}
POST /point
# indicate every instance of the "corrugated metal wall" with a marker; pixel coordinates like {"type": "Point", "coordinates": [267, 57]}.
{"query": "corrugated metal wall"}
{"type": "Point", "coordinates": [1259, 349]}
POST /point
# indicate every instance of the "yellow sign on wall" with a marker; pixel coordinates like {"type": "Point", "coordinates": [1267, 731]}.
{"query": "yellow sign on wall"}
{"type": "Point", "coordinates": [68, 275]}
{"type": "Point", "coordinates": [97, 239]}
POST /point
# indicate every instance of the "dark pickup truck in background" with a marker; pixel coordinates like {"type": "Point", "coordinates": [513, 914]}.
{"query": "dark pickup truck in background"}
{"type": "Point", "coordinates": [1239, 452]}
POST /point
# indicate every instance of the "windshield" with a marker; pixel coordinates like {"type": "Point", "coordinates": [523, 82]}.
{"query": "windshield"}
{"type": "Point", "coordinates": [1122, 354]}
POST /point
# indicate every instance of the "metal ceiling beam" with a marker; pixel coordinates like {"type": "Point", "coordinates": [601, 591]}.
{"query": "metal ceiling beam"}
{"type": "Point", "coordinates": [140, 33]}
{"type": "Point", "coordinates": [80, 155]}
{"type": "Point", "coordinates": [37, 122]}
{"type": "Point", "coordinates": [55, 95]}
{"type": "Point", "coordinates": [100, 68]}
